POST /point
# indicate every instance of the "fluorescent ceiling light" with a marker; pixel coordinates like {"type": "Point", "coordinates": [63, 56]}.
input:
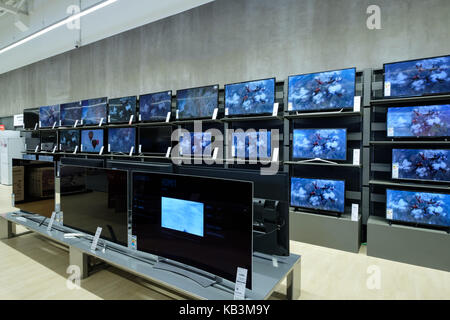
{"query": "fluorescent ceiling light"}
{"type": "Point", "coordinates": [58, 24]}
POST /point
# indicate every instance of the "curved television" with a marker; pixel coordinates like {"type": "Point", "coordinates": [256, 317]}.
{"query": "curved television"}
{"type": "Point", "coordinates": [155, 106]}
{"type": "Point", "coordinates": [327, 144]}
{"type": "Point", "coordinates": [197, 103]}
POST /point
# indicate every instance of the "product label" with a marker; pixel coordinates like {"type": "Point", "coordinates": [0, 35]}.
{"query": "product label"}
{"type": "Point", "coordinates": [355, 212]}
{"type": "Point", "coordinates": [131, 120]}
{"type": "Point", "coordinates": [390, 132]}
{"type": "Point", "coordinates": [52, 220]}
{"type": "Point", "coordinates": [131, 151]}
{"type": "Point", "coordinates": [109, 147]}
{"type": "Point", "coordinates": [356, 157]}
{"type": "Point", "coordinates": [275, 262]}
{"type": "Point", "coordinates": [76, 123]}
{"type": "Point", "coordinates": [227, 111]}
{"type": "Point", "coordinates": [168, 152]}
{"type": "Point", "coordinates": [216, 111]}
{"type": "Point", "coordinates": [140, 148]}
{"type": "Point", "coordinates": [387, 89]}
{"type": "Point", "coordinates": [389, 214]}
{"type": "Point", "coordinates": [168, 116]}
{"type": "Point", "coordinates": [101, 122]}
{"type": "Point", "coordinates": [133, 242]}
{"type": "Point", "coordinates": [290, 106]}
{"type": "Point", "coordinates": [177, 114]}
{"type": "Point", "coordinates": [101, 150]}
{"type": "Point", "coordinates": [275, 109]}
{"type": "Point", "coordinates": [140, 117]}
{"type": "Point", "coordinates": [395, 167]}
{"type": "Point", "coordinates": [76, 150]}
{"type": "Point", "coordinates": [241, 280]}
{"type": "Point", "coordinates": [276, 152]}
{"type": "Point", "coordinates": [96, 237]}
{"type": "Point", "coordinates": [357, 104]}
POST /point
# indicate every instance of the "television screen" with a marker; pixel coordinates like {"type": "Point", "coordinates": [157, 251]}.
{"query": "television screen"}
{"type": "Point", "coordinates": [417, 77]}
{"type": "Point", "coordinates": [32, 141]}
{"type": "Point", "coordinates": [252, 145]}
{"type": "Point", "coordinates": [95, 197]}
{"type": "Point", "coordinates": [418, 207]}
{"type": "Point", "coordinates": [332, 90]}
{"type": "Point", "coordinates": [323, 195]}
{"type": "Point", "coordinates": [155, 106]}
{"type": "Point", "coordinates": [93, 111]}
{"type": "Point", "coordinates": [29, 157]}
{"type": "Point", "coordinates": [329, 144]}
{"type": "Point", "coordinates": [30, 118]}
{"type": "Point", "coordinates": [198, 143]}
{"type": "Point", "coordinates": [49, 140]}
{"type": "Point", "coordinates": [426, 121]}
{"type": "Point", "coordinates": [92, 141]}
{"type": "Point", "coordinates": [70, 113]}
{"type": "Point", "coordinates": [121, 110]}
{"type": "Point", "coordinates": [49, 116]}
{"type": "Point", "coordinates": [431, 165]}
{"type": "Point", "coordinates": [121, 140]}
{"type": "Point", "coordinates": [197, 102]}
{"type": "Point", "coordinates": [69, 140]}
{"type": "Point", "coordinates": [247, 98]}
{"type": "Point", "coordinates": [155, 140]}
{"type": "Point", "coordinates": [186, 219]}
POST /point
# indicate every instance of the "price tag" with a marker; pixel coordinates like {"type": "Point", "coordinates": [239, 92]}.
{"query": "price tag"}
{"type": "Point", "coordinates": [275, 109]}
{"type": "Point", "coordinates": [60, 146]}
{"type": "Point", "coordinates": [101, 150]}
{"type": "Point", "coordinates": [140, 148]}
{"type": "Point", "coordinates": [275, 262]}
{"type": "Point", "coordinates": [356, 157]}
{"type": "Point", "coordinates": [81, 148]}
{"type": "Point", "coordinates": [241, 280]}
{"type": "Point", "coordinates": [276, 152]}
{"type": "Point", "coordinates": [216, 111]}
{"type": "Point", "coordinates": [133, 242]}
{"type": "Point", "coordinates": [131, 151]}
{"type": "Point", "coordinates": [357, 104]}
{"type": "Point", "coordinates": [390, 132]}
{"type": "Point", "coordinates": [290, 106]}
{"type": "Point", "coordinates": [76, 123]}
{"type": "Point", "coordinates": [76, 150]}
{"type": "Point", "coordinates": [109, 147]}
{"type": "Point", "coordinates": [131, 120]}
{"type": "Point", "coordinates": [96, 237]}
{"type": "Point", "coordinates": [387, 89]}
{"type": "Point", "coordinates": [168, 117]}
{"type": "Point", "coordinates": [52, 220]}
{"type": "Point", "coordinates": [168, 152]}
{"type": "Point", "coordinates": [140, 118]}
{"type": "Point", "coordinates": [227, 111]}
{"type": "Point", "coordinates": [101, 122]}
{"type": "Point", "coordinates": [54, 125]}
{"type": "Point", "coordinates": [177, 114]}
{"type": "Point", "coordinates": [109, 119]}
{"type": "Point", "coordinates": [395, 167]}
{"type": "Point", "coordinates": [389, 214]}
{"type": "Point", "coordinates": [36, 126]}
{"type": "Point", "coordinates": [233, 152]}
{"type": "Point", "coordinates": [54, 149]}
{"type": "Point", "coordinates": [215, 153]}
{"type": "Point", "coordinates": [81, 122]}
{"type": "Point", "coordinates": [355, 212]}
{"type": "Point", "coordinates": [37, 149]}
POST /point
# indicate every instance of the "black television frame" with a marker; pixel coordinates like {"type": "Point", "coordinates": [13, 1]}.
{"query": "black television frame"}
{"type": "Point", "coordinates": [150, 94]}
{"type": "Point", "coordinates": [139, 144]}
{"type": "Point", "coordinates": [201, 87]}
{"type": "Point", "coordinates": [30, 111]}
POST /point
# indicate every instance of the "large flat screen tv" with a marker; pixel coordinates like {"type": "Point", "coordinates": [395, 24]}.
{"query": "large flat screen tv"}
{"type": "Point", "coordinates": [327, 144]}
{"type": "Point", "coordinates": [121, 140]}
{"type": "Point", "coordinates": [30, 118]}
{"type": "Point", "coordinates": [331, 90]}
{"type": "Point", "coordinates": [252, 145]}
{"type": "Point", "coordinates": [193, 221]}
{"type": "Point", "coordinates": [197, 103]}
{"type": "Point", "coordinates": [318, 194]}
{"type": "Point", "coordinates": [155, 106]}
{"type": "Point", "coordinates": [93, 111]}
{"type": "Point", "coordinates": [417, 77]}
{"type": "Point", "coordinates": [92, 141]}
{"type": "Point", "coordinates": [69, 140]}
{"type": "Point", "coordinates": [49, 116]}
{"type": "Point", "coordinates": [426, 165]}
{"type": "Point", "coordinates": [120, 110]}
{"type": "Point", "coordinates": [49, 140]}
{"type": "Point", "coordinates": [421, 208]}
{"type": "Point", "coordinates": [70, 114]}
{"type": "Point", "coordinates": [250, 98]}
{"type": "Point", "coordinates": [425, 121]}
{"type": "Point", "coordinates": [155, 140]}
{"type": "Point", "coordinates": [95, 197]}
{"type": "Point", "coordinates": [196, 143]}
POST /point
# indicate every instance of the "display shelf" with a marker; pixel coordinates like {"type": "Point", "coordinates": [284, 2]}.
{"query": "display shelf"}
{"type": "Point", "coordinates": [409, 185]}
{"type": "Point", "coordinates": [421, 99]}
{"type": "Point", "coordinates": [409, 142]}
{"type": "Point", "coordinates": [323, 115]}
{"type": "Point", "coordinates": [299, 163]}
{"type": "Point", "coordinates": [181, 122]}
{"type": "Point", "coordinates": [156, 124]}
{"type": "Point", "coordinates": [251, 118]}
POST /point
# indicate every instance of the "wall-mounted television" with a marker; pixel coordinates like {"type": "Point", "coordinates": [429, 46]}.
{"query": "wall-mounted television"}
{"type": "Point", "coordinates": [250, 98]}
{"type": "Point", "coordinates": [424, 121]}
{"type": "Point", "coordinates": [155, 106]}
{"type": "Point", "coordinates": [31, 118]}
{"type": "Point", "coordinates": [252, 145]}
{"type": "Point", "coordinates": [122, 109]}
{"type": "Point", "coordinates": [417, 77]}
{"type": "Point", "coordinates": [95, 197]}
{"type": "Point", "coordinates": [49, 140]}
{"type": "Point", "coordinates": [331, 90]}
{"type": "Point", "coordinates": [155, 140]}
{"type": "Point", "coordinates": [195, 143]}
{"type": "Point", "coordinates": [121, 140]}
{"type": "Point", "coordinates": [69, 140]}
{"type": "Point", "coordinates": [421, 208]}
{"type": "Point", "coordinates": [49, 116]}
{"type": "Point", "coordinates": [92, 141]}
{"type": "Point", "coordinates": [327, 144]}
{"type": "Point", "coordinates": [197, 103]}
{"type": "Point", "coordinates": [318, 194]}
{"type": "Point", "coordinates": [186, 219]}
{"type": "Point", "coordinates": [93, 111]}
{"type": "Point", "coordinates": [70, 114]}
{"type": "Point", "coordinates": [426, 165]}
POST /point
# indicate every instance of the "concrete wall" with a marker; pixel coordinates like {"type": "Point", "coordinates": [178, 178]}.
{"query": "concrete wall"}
{"type": "Point", "coordinates": [233, 40]}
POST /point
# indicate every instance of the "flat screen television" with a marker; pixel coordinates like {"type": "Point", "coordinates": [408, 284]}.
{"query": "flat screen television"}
{"type": "Point", "coordinates": [93, 111]}
{"type": "Point", "coordinates": [155, 140]}
{"type": "Point", "coordinates": [69, 140]}
{"type": "Point", "coordinates": [187, 219]}
{"type": "Point", "coordinates": [250, 98]}
{"type": "Point", "coordinates": [318, 194]}
{"type": "Point", "coordinates": [420, 208]}
{"type": "Point", "coordinates": [196, 143]}
{"type": "Point", "coordinates": [95, 197]}
{"type": "Point", "coordinates": [197, 103]}
{"type": "Point", "coordinates": [49, 116]}
{"type": "Point", "coordinates": [424, 121]}
{"type": "Point", "coordinates": [327, 144]}
{"type": "Point", "coordinates": [155, 106]}
{"type": "Point", "coordinates": [252, 145]}
{"type": "Point", "coordinates": [122, 109]}
{"type": "Point", "coordinates": [121, 140]}
{"type": "Point", "coordinates": [92, 141]}
{"type": "Point", "coordinates": [70, 114]}
{"type": "Point", "coordinates": [32, 141]}
{"type": "Point", "coordinates": [49, 140]}
{"type": "Point", "coordinates": [30, 118]}
{"type": "Point", "coordinates": [323, 91]}
{"type": "Point", "coordinates": [425, 165]}
{"type": "Point", "coordinates": [417, 77]}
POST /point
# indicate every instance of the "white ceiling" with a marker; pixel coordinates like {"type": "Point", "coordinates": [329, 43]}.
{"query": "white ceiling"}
{"type": "Point", "coordinates": [116, 18]}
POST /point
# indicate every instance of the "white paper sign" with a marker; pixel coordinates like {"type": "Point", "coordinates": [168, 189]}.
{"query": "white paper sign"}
{"type": "Point", "coordinates": [101, 150]}
{"type": "Point", "coordinates": [276, 152]}
{"type": "Point", "coordinates": [216, 111]}
{"type": "Point", "coordinates": [140, 148]}
{"type": "Point", "coordinates": [241, 280]}
{"type": "Point", "coordinates": [54, 149]}
{"type": "Point", "coordinates": [52, 220]}
{"type": "Point", "coordinates": [357, 104]}
{"type": "Point", "coordinates": [76, 150]}
{"type": "Point", "coordinates": [40, 124]}
{"type": "Point", "coordinates": [275, 262]}
{"type": "Point", "coordinates": [140, 117]}
{"type": "Point", "coordinates": [387, 89]}
{"type": "Point", "coordinates": [168, 116]}
{"type": "Point", "coordinates": [390, 132]}
{"type": "Point", "coordinates": [389, 214]}
{"type": "Point", "coordinates": [109, 119]}
{"type": "Point", "coordinates": [131, 151]}
{"type": "Point", "coordinates": [18, 120]}
{"type": "Point", "coordinates": [178, 112]}
{"type": "Point", "coordinates": [76, 123]}
{"type": "Point", "coordinates": [395, 167]}
{"type": "Point", "coordinates": [275, 109]}
{"type": "Point", "coordinates": [227, 111]}
{"type": "Point", "coordinates": [215, 153]}
{"type": "Point", "coordinates": [131, 120]}
{"type": "Point", "coordinates": [96, 237]}
{"type": "Point", "coordinates": [290, 106]}
{"type": "Point", "coordinates": [36, 126]}
{"type": "Point", "coordinates": [355, 212]}
{"type": "Point", "coordinates": [109, 147]}
{"type": "Point", "coordinates": [101, 122]}
{"type": "Point", "coordinates": [168, 152]}
{"type": "Point", "coordinates": [356, 157]}
{"type": "Point", "coordinates": [54, 125]}
{"type": "Point", "coordinates": [37, 149]}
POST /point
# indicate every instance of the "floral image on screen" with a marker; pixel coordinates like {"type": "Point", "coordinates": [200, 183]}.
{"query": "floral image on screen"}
{"type": "Point", "coordinates": [197, 103]}
{"type": "Point", "coordinates": [69, 140]}
{"type": "Point", "coordinates": [198, 143]}
{"type": "Point", "coordinates": [156, 106]}
{"type": "Point", "coordinates": [93, 110]}
{"type": "Point", "coordinates": [121, 140]}
{"type": "Point", "coordinates": [322, 91]}
{"type": "Point", "coordinates": [418, 207]}
{"type": "Point", "coordinates": [121, 110]}
{"type": "Point", "coordinates": [252, 145]}
{"type": "Point", "coordinates": [418, 77]}
{"type": "Point", "coordinates": [92, 140]}
{"type": "Point", "coordinates": [330, 144]}
{"type": "Point", "coordinates": [70, 113]}
{"type": "Point", "coordinates": [326, 195]}
{"type": "Point", "coordinates": [255, 97]}
{"type": "Point", "coordinates": [49, 116]}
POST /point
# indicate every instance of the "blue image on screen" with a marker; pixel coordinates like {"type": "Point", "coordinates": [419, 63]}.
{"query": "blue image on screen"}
{"type": "Point", "coordinates": [329, 144]}
{"type": "Point", "coordinates": [418, 207]}
{"type": "Point", "coordinates": [156, 106]}
{"type": "Point", "coordinates": [326, 195]}
{"type": "Point", "coordinates": [430, 165]}
{"type": "Point", "coordinates": [121, 110]}
{"type": "Point", "coordinates": [195, 143]}
{"type": "Point", "coordinates": [418, 77]}
{"type": "Point", "coordinates": [69, 140]}
{"type": "Point", "coordinates": [182, 215]}
{"type": "Point", "coordinates": [93, 110]}
{"type": "Point", "coordinates": [426, 121]}
{"type": "Point", "coordinates": [29, 157]}
{"type": "Point", "coordinates": [254, 97]}
{"type": "Point", "coordinates": [252, 145]}
{"type": "Point", "coordinates": [121, 140]}
{"type": "Point", "coordinates": [92, 140]}
{"type": "Point", "coordinates": [70, 113]}
{"type": "Point", "coordinates": [322, 91]}
{"type": "Point", "coordinates": [197, 102]}
{"type": "Point", "coordinates": [48, 116]}
{"type": "Point", "coordinates": [46, 158]}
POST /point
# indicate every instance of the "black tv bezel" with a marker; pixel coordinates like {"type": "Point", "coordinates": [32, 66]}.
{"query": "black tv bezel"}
{"type": "Point", "coordinates": [201, 87]}
{"type": "Point", "coordinates": [30, 110]}
{"type": "Point", "coordinates": [139, 144]}
{"type": "Point", "coordinates": [320, 110]}
{"type": "Point", "coordinates": [151, 94]}
{"type": "Point", "coordinates": [249, 82]}
{"type": "Point", "coordinates": [59, 116]}
{"type": "Point", "coordinates": [258, 158]}
{"type": "Point", "coordinates": [61, 107]}
{"type": "Point", "coordinates": [108, 108]}
{"type": "Point", "coordinates": [105, 121]}
{"type": "Point", "coordinates": [124, 153]}
{"type": "Point", "coordinates": [411, 60]}
{"type": "Point", "coordinates": [92, 129]}
{"type": "Point", "coordinates": [60, 136]}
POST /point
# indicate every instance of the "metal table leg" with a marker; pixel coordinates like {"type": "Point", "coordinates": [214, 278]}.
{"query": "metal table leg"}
{"type": "Point", "coordinates": [294, 282]}
{"type": "Point", "coordinates": [6, 229]}
{"type": "Point", "coordinates": [79, 259]}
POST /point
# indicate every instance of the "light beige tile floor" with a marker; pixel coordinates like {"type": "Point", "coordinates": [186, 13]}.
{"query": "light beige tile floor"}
{"type": "Point", "coordinates": [31, 267]}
